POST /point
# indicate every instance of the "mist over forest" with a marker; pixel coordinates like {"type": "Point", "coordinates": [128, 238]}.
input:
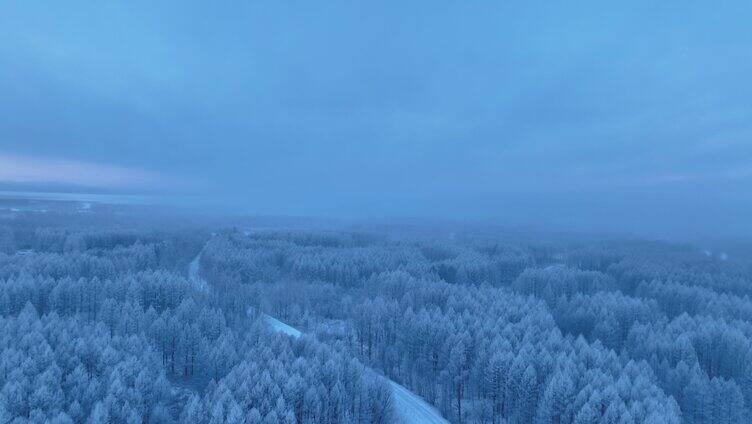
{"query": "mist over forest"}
{"type": "Point", "coordinates": [385, 212]}
{"type": "Point", "coordinates": [131, 313]}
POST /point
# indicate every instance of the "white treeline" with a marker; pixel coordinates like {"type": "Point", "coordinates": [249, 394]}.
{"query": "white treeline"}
{"type": "Point", "coordinates": [101, 324]}
{"type": "Point", "coordinates": [494, 330]}
{"type": "Point", "coordinates": [100, 327]}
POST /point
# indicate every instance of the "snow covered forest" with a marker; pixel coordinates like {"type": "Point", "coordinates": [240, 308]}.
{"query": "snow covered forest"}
{"type": "Point", "coordinates": [102, 323]}
{"type": "Point", "coordinates": [375, 212]}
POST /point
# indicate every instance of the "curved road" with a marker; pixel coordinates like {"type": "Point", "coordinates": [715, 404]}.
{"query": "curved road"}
{"type": "Point", "coordinates": [409, 407]}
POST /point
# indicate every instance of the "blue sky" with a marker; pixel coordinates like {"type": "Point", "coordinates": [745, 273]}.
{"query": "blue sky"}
{"type": "Point", "coordinates": [629, 116]}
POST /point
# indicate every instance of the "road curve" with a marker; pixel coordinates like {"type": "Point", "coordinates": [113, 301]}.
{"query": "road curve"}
{"type": "Point", "coordinates": [409, 407]}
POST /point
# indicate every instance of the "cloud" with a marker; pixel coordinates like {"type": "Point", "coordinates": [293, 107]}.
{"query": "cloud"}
{"type": "Point", "coordinates": [689, 177]}
{"type": "Point", "coordinates": [43, 170]}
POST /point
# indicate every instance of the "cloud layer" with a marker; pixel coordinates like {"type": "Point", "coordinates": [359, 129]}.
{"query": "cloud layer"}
{"type": "Point", "coordinates": [480, 109]}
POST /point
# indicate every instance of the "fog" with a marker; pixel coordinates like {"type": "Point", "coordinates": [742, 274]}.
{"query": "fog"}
{"type": "Point", "coordinates": [587, 116]}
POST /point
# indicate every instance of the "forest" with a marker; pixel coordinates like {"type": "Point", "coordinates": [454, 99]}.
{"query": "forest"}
{"type": "Point", "coordinates": [375, 212]}
{"type": "Point", "coordinates": [102, 322]}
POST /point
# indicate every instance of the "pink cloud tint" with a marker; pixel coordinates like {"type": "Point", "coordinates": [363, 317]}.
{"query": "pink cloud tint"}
{"type": "Point", "coordinates": [29, 169]}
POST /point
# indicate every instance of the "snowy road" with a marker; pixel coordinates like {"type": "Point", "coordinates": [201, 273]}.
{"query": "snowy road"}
{"type": "Point", "coordinates": [409, 407]}
{"type": "Point", "coordinates": [281, 327]}
{"type": "Point", "coordinates": [193, 275]}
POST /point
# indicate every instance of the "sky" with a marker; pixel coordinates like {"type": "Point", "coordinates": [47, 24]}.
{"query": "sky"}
{"type": "Point", "coordinates": [625, 116]}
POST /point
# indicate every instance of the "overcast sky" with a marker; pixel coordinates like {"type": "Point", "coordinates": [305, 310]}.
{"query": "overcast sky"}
{"type": "Point", "coordinates": [631, 116]}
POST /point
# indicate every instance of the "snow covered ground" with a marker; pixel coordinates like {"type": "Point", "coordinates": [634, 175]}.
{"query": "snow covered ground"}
{"type": "Point", "coordinates": [409, 407]}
